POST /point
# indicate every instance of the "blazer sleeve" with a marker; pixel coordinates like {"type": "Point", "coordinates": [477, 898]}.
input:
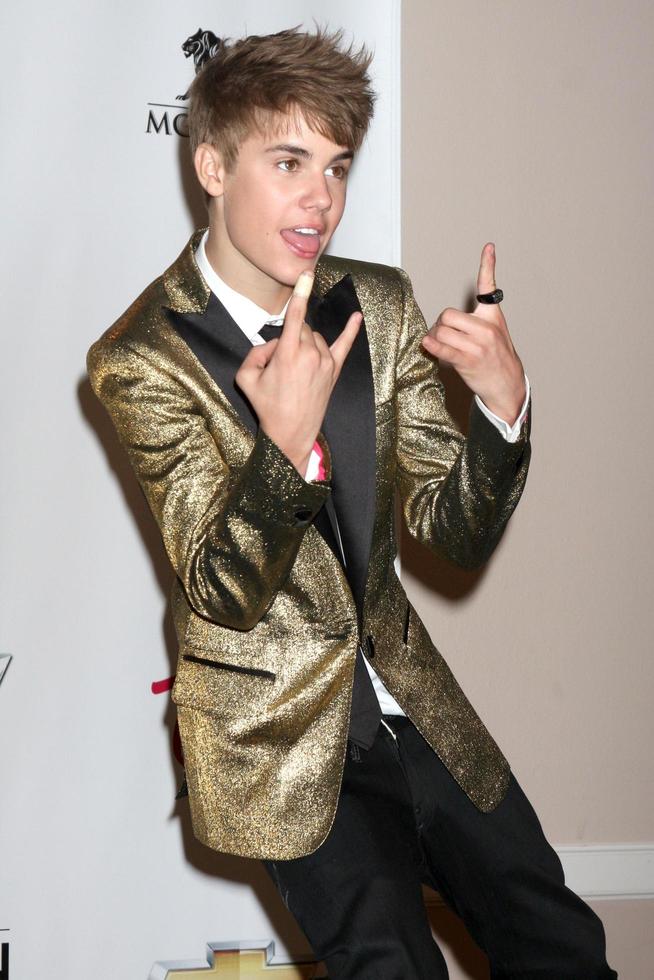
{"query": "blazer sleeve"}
{"type": "Point", "coordinates": [457, 493]}
{"type": "Point", "coordinates": [232, 535]}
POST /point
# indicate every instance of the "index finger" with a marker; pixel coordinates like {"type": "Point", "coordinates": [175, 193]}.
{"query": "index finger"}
{"type": "Point", "coordinates": [486, 275]}
{"type": "Point", "coordinates": [297, 309]}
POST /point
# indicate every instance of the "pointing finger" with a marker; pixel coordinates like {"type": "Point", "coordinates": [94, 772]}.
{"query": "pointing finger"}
{"type": "Point", "coordinates": [486, 275]}
{"type": "Point", "coordinates": [304, 285]}
{"type": "Point", "coordinates": [297, 308]}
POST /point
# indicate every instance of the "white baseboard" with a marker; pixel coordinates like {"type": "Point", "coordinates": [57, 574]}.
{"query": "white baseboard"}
{"type": "Point", "coordinates": [609, 870]}
{"type": "Point", "coordinates": [602, 871]}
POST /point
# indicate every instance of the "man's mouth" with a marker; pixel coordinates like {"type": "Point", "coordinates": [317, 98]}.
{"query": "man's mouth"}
{"type": "Point", "coordinates": [302, 240]}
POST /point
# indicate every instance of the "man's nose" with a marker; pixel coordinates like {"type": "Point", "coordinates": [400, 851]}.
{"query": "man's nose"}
{"type": "Point", "coordinates": [316, 193]}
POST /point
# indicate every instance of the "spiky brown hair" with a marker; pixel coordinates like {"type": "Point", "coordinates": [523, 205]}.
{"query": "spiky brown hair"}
{"type": "Point", "coordinates": [260, 83]}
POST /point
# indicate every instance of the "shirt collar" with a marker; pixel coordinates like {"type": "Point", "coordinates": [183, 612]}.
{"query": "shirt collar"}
{"type": "Point", "coordinates": [242, 310]}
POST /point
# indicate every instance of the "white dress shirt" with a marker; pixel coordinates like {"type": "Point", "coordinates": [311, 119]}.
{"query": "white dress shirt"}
{"type": "Point", "coordinates": [251, 318]}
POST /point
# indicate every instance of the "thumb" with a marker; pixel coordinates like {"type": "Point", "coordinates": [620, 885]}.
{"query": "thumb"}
{"type": "Point", "coordinates": [256, 360]}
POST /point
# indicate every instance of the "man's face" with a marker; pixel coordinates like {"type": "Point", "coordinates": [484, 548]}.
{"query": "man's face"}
{"type": "Point", "coordinates": [278, 210]}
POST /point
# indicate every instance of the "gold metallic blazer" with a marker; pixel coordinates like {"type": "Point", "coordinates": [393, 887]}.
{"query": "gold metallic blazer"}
{"type": "Point", "coordinates": [267, 621]}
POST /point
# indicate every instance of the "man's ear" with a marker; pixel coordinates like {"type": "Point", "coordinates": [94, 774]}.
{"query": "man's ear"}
{"type": "Point", "coordinates": [210, 169]}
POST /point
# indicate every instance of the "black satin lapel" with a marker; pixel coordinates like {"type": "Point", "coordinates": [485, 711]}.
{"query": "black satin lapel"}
{"type": "Point", "coordinates": [349, 427]}
{"type": "Point", "coordinates": [220, 346]}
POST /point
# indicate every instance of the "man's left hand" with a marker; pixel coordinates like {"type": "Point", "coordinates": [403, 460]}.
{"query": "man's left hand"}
{"type": "Point", "coordinates": [479, 348]}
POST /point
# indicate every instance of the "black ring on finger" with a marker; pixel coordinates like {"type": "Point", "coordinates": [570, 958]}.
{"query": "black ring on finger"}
{"type": "Point", "coordinates": [495, 297]}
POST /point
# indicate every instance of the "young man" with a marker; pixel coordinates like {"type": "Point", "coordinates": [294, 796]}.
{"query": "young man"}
{"type": "Point", "coordinates": [322, 730]}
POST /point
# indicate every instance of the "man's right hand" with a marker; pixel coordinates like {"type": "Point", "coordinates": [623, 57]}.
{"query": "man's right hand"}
{"type": "Point", "coordinates": [289, 380]}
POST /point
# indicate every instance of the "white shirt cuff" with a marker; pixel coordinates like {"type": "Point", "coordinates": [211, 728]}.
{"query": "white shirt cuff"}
{"type": "Point", "coordinates": [312, 467]}
{"type": "Point", "coordinates": [509, 432]}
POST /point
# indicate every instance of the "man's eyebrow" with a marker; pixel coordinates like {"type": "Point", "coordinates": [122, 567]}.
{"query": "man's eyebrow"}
{"type": "Point", "coordinates": [345, 155]}
{"type": "Point", "coordinates": [300, 151]}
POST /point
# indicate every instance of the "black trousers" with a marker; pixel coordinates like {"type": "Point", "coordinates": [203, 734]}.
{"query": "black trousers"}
{"type": "Point", "coordinates": [402, 820]}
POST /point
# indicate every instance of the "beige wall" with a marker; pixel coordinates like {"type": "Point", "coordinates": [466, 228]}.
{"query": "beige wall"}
{"type": "Point", "coordinates": [530, 124]}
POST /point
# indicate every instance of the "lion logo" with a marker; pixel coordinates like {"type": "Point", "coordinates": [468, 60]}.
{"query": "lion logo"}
{"type": "Point", "coordinates": [202, 45]}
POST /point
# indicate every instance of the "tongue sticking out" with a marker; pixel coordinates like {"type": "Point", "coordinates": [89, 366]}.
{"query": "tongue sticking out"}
{"type": "Point", "coordinates": [307, 245]}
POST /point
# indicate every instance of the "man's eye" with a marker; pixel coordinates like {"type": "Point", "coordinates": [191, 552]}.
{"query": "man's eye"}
{"type": "Point", "coordinates": [338, 171]}
{"type": "Point", "coordinates": [288, 165]}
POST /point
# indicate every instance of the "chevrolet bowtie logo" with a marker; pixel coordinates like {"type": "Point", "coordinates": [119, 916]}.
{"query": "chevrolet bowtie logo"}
{"type": "Point", "coordinates": [229, 962]}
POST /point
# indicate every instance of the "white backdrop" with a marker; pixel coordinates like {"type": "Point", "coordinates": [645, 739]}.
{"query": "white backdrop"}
{"type": "Point", "coordinates": [99, 873]}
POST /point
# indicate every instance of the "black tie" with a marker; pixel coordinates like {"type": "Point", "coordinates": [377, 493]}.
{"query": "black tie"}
{"type": "Point", "coordinates": [270, 330]}
{"type": "Point", "coordinates": [366, 711]}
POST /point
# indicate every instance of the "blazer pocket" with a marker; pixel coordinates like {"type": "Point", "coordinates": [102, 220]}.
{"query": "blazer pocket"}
{"type": "Point", "coordinates": [233, 668]}
{"type": "Point", "coordinates": [384, 411]}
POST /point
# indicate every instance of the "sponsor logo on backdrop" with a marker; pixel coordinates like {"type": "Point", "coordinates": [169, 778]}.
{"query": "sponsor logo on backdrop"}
{"type": "Point", "coordinates": [242, 960]}
{"type": "Point", "coordinates": [5, 660]}
{"type": "Point", "coordinates": [4, 959]}
{"type": "Point", "coordinates": [166, 118]}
